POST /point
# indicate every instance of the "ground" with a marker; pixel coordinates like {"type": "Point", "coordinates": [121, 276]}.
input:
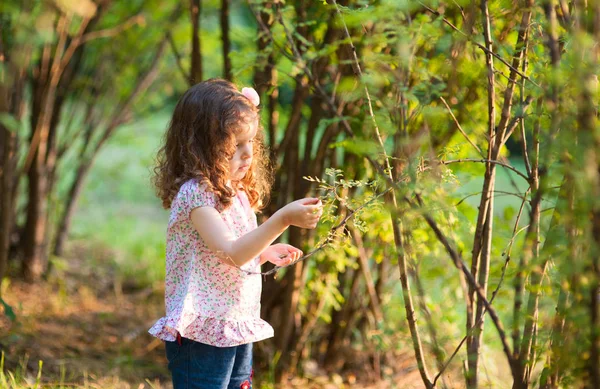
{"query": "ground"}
{"type": "Point", "coordinates": [86, 325]}
{"type": "Point", "coordinates": [89, 329]}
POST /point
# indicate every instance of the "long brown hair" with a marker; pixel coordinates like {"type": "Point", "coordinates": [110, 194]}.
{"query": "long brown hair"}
{"type": "Point", "coordinates": [200, 140]}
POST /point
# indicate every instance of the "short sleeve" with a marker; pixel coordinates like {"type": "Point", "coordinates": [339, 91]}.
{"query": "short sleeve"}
{"type": "Point", "coordinates": [197, 196]}
{"type": "Point", "coordinates": [191, 195]}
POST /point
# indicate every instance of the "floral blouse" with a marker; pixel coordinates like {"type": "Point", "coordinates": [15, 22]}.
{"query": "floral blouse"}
{"type": "Point", "coordinates": [207, 300]}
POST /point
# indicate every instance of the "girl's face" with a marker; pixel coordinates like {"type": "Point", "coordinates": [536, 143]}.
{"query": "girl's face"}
{"type": "Point", "coordinates": [241, 161]}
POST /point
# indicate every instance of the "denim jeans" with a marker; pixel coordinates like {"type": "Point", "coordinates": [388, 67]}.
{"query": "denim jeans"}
{"type": "Point", "coordinates": [195, 365]}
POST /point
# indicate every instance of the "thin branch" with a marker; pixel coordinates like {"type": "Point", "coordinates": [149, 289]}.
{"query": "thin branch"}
{"type": "Point", "coordinates": [524, 148]}
{"type": "Point", "coordinates": [460, 264]}
{"type": "Point", "coordinates": [480, 45]}
{"type": "Point", "coordinates": [523, 132]}
{"type": "Point", "coordinates": [177, 56]}
{"type": "Point", "coordinates": [40, 132]}
{"type": "Point", "coordinates": [494, 293]}
{"type": "Point", "coordinates": [407, 296]}
{"type": "Point", "coordinates": [322, 245]}
{"type": "Point", "coordinates": [113, 31]}
{"type": "Point", "coordinates": [501, 192]}
{"type": "Point", "coordinates": [517, 119]}
{"type": "Point", "coordinates": [367, 94]}
{"type": "Point", "coordinates": [437, 349]}
{"type": "Point", "coordinates": [364, 266]}
{"type": "Point", "coordinates": [460, 128]}
{"type": "Point", "coordinates": [487, 161]}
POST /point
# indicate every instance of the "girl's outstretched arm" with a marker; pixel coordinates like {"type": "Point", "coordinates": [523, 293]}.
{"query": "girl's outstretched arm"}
{"type": "Point", "coordinates": [304, 213]}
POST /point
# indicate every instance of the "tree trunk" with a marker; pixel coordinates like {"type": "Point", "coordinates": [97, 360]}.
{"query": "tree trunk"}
{"type": "Point", "coordinates": [7, 179]}
{"type": "Point", "coordinates": [65, 223]}
{"type": "Point", "coordinates": [484, 227]}
{"type": "Point", "coordinates": [340, 321]}
{"type": "Point", "coordinates": [291, 296]}
{"type": "Point", "coordinates": [594, 362]}
{"type": "Point", "coordinates": [265, 76]}
{"type": "Point", "coordinates": [293, 279]}
{"type": "Point", "coordinates": [34, 240]}
{"type": "Point", "coordinates": [54, 76]}
{"type": "Point", "coordinates": [196, 69]}
{"type": "Point", "coordinates": [225, 39]}
{"type": "Point", "coordinates": [7, 157]}
{"type": "Point", "coordinates": [12, 90]}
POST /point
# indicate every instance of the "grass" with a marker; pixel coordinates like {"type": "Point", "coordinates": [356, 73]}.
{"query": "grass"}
{"type": "Point", "coordinates": [16, 380]}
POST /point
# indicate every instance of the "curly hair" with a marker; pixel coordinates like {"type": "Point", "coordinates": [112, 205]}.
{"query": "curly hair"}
{"type": "Point", "coordinates": [200, 141]}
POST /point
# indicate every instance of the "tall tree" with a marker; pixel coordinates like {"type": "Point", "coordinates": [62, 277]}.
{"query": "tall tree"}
{"type": "Point", "coordinates": [59, 73]}
{"type": "Point", "coordinates": [195, 75]}
{"type": "Point", "coordinates": [226, 42]}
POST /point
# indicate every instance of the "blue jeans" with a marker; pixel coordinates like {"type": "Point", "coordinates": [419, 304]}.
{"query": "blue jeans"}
{"type": "Point", "coordinates": [195, 365]}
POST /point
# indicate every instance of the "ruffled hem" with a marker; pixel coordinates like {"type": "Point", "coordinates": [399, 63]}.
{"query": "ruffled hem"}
{"type": "Point", "coordinates": [212, 331]}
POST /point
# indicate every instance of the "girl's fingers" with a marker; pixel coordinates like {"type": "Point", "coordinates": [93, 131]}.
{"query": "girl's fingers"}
{"type": "Point", "coordinates": [310, 200]}
{"type": "Point", "coordinates": [313, 207]}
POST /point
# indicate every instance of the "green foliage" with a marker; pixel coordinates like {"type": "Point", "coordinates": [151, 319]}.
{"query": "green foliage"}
{"type": "Point", "coordinates": [409, 60]}
{"type": "Point", "coordinates": [8, 310]}
{"type": "Point", "coordinates": [412, 63]}
{"type": "Point", "coordinates": [10, 122]}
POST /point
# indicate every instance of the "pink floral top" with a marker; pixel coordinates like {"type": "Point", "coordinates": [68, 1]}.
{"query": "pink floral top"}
{"type": "Point", "coordinates": [206, 300]}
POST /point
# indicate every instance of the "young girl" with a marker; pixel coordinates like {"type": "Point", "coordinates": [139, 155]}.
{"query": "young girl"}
{"type": "Point", "coordinates": [212, 174]}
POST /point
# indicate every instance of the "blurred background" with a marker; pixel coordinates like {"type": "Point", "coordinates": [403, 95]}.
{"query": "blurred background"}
{"type": "Point", "coordinates": [455, 145]}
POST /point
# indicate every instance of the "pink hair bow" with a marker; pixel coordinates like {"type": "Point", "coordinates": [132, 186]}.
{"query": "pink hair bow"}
{"type": "Point", "coordinates": [251, 95]}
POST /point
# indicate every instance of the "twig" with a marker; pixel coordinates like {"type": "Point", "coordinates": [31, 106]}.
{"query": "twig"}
{"type": "Point", "coordinates": [177, 56]}
{"type": "Point", "coordinates": [480, 45]}
{"type": "Point", "coordinates": [512, 124]}
{"type": "Point", "coordinates": [487, 161]}
{"type": "Point", "coordinates": [469, 332]}
{"type": "Point", "coordinates": [460, 128]}
{"type": "Point", "coordinates": [342, 223]}
{"type": "Point", "coordinates": [437, 349]}
{"type": "Point", "coordinates": [108, 32]}
{"type": "Point", "coordinates": [367, 94]}
{"type": "Point", "coordinates": [502, 192]}
{"type": "Point", "coordinates": [460, 264]}
{"type": "Point", "coordinates": [364, 266]}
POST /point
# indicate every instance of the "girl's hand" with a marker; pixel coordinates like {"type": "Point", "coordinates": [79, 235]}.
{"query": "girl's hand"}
{"type": "Point", "coordinates": [303, 213]}
{"type": "Point", "coordinates": [280, 254]}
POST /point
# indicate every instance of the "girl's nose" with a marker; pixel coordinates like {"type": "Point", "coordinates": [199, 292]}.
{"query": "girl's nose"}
{"type": "Point", "coordinates": [247, 152]}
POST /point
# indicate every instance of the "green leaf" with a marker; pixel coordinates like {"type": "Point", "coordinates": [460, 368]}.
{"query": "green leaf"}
{"type": "Point", "coordinates": [9, 122]}
{"type": "Point", "coordinates": [359, 146]}
{"type": "Point", "coordinates": [8, 311]}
